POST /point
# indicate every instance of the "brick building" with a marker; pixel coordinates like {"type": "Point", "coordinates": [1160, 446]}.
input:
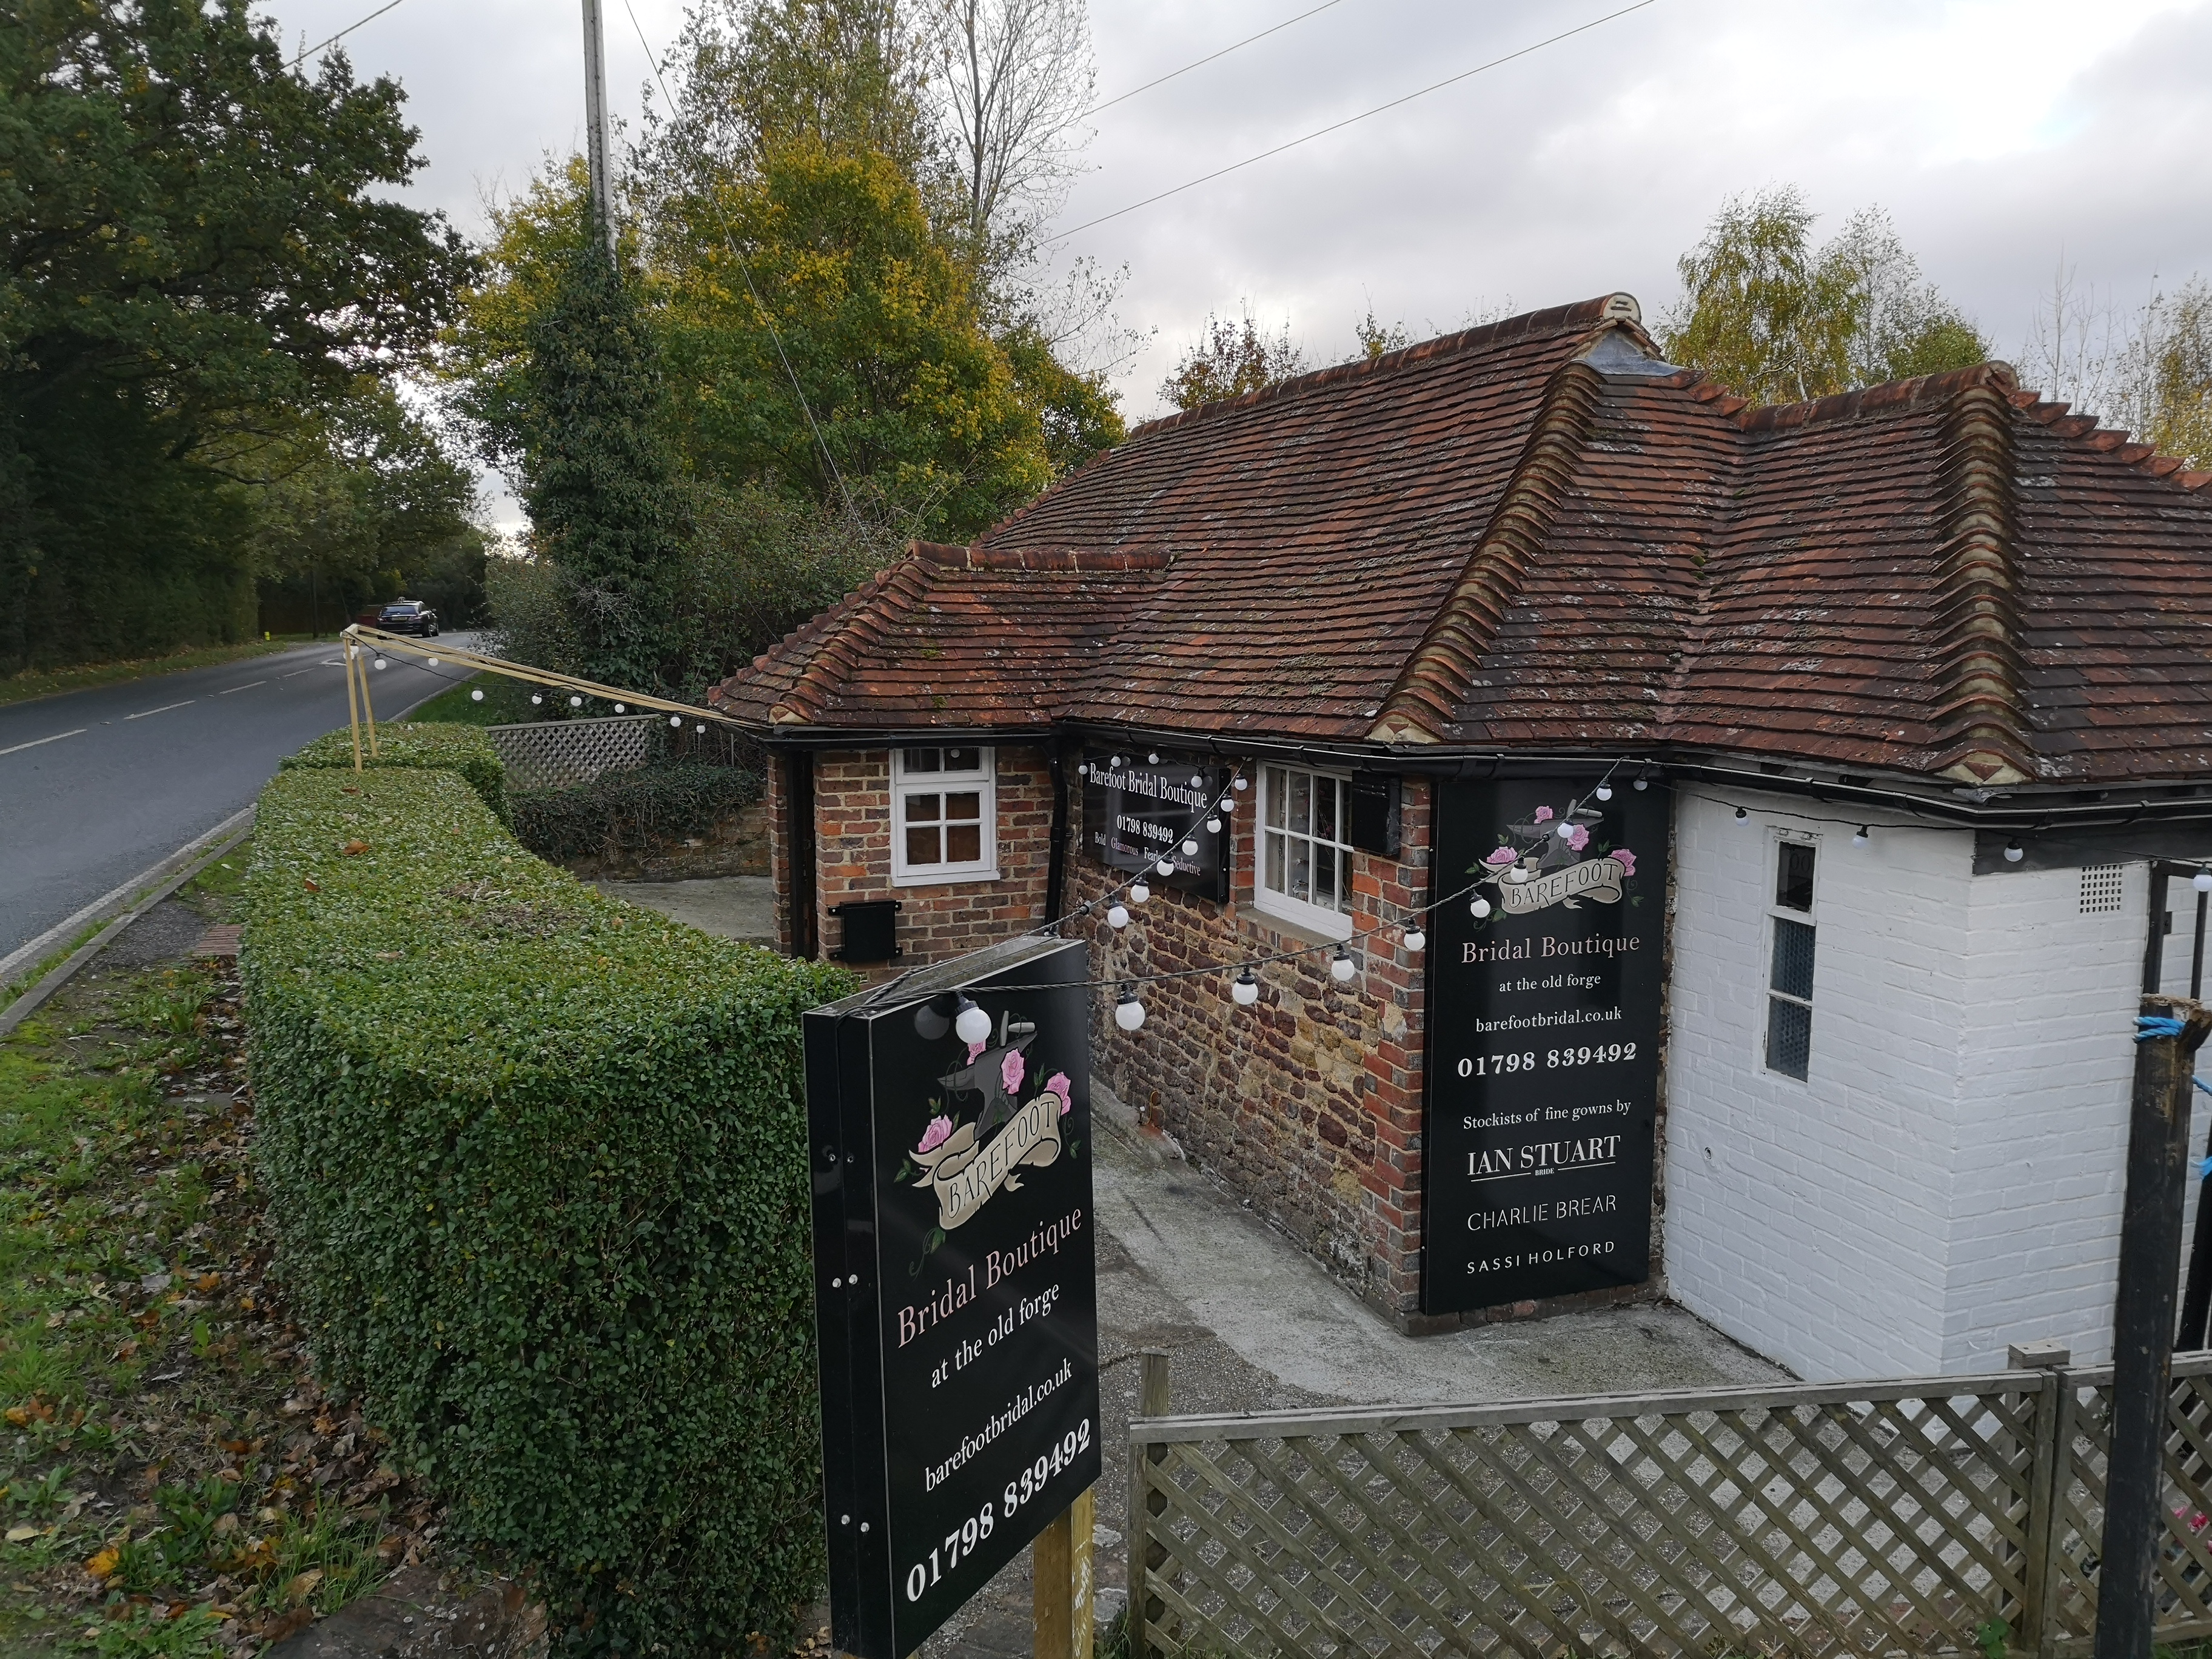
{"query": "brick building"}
{"type": "Point", "coordinates": [1805, 767]}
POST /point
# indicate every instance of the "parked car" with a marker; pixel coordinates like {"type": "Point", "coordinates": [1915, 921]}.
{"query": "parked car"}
{"type": "Point", "coordinates": [409, 616]}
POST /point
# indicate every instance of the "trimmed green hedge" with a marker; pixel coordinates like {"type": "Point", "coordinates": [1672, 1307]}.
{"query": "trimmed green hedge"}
{"type": "Point", "coordinates": [416, 743]}
{"type": "Point", "coordinates": [537, 1161]}
{"type": "Point", "coordinates": [629, 811]}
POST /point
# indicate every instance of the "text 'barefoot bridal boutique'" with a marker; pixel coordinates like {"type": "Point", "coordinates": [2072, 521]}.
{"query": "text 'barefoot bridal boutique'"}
{"type": "Point", "coordinates": [1546, 831]}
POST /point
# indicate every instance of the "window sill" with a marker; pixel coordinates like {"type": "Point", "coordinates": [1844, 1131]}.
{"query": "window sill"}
{"type": "Point", "coordinates": [943, 878]}
{"type": "Point", "coordinates": [1305, 930]}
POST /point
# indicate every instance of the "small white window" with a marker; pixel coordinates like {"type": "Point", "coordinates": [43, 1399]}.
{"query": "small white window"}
{"type": "Point", "coordinates": [944, 817]}
{"type": "Point", "coordinates": [1303, 858]}
{"type": "Point", "coordinates": [1789, 970]}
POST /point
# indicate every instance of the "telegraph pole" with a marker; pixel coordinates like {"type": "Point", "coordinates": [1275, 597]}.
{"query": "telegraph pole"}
{"type": "Point", "coordinates": [595, 113]}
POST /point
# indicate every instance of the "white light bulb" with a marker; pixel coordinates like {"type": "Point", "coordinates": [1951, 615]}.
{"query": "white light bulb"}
{"type": "Point", "coordinates": [1416, 940]}
{"type": "Point", "coordinates": [676, 722]}
{"type": "Point", "coordinates": [1151, 760]}
{"type": "Point", "coordinates": [1640, 784]}
{"type": "Point", "coordinates": [1238, 784]}
{"type": "Point", "coordinates": [1117, 915]}
{"type": "Point", "coordinates": [973, 1025]}
{"type": "Point", "coordinates": [575, 702]}
{"type": "Point", "coordinates": [433, 662]}
{"type": "Point", "coordinates": [534, 697]}
{"type": "Point", "coordinates": [2202, 881]}
{"type": "Point", "coordinates": [701, 728]}
{"type": "Point", "coordinates": [1196, 781]}
{"type": "Point", "coordinates": [1165, 867]}
{"type": "Point", "coordinates": [381, 664]}
{"type": "Point", "coordinates": [618, 708]}
{"type": "Point", "coordinates": [1245, 991]}
{"type": "Point", "coordinates": [1083, 769]}
{"type": "Point", "coordinates": [1605, 792]}
{"type": "Point", "coordinates": [1128, 1012]}
{"type": "Point", "coordinates": [1117, 762]}
{"type": "Point", "coordinates": [1229, 803]}
{"type": "Point", "coordinates": [1343, 968]}
{"type": "Point", "coordinates": [476, 697]}
{"type": "Point", "coordinates": [1480, 906]}
{"type": "Point", "coordinates": [1138, 892]}
{"type": "Point", "coordinates": [1190, 849]}
{"type": "Point", "coordinates": [1860, 837]}
{"type": "Point", "coordinates": [1213, 826]}
{"type": "Point", "coordinates": [1517, 873]}
{"type": "Point", "coordinates": [2015, 851]}
{"type": "Point", "coordinates": [1566, 828]}
{"type": "Point", "coordinates": [1742, 817]}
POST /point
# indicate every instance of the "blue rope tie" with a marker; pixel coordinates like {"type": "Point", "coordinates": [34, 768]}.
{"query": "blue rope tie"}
{"type": "Point", "coordinates": [2156, 1025]}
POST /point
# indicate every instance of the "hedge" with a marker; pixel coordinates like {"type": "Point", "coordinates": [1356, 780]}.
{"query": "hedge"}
{"type": "Point", "coordinates": [417, 744]}
{"type": "Point", "coordinates": [629, 811]}
{"type": "Point", "coordinates": [537, 1163]}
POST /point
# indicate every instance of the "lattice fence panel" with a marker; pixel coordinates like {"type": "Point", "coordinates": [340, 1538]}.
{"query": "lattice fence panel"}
{"type": "Point", "coordinates": [2182, 1583]}
{"type": "Point", "coordinates": [1807, 1526]}
{"type": "Point", "coordinates": [554, 754]}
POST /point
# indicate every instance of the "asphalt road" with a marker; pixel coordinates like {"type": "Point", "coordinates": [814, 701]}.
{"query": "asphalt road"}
{"type": "Point", "coordinates": [98, 785]}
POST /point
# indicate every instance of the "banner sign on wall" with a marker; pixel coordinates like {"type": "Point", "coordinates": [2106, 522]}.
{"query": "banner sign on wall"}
{"type": "Point", "coordinates": [1543, 1040]}
{"type": "Point", "coordinates": [1141, 811]}
{"type": "Point", "coordinates": [955, 1298]}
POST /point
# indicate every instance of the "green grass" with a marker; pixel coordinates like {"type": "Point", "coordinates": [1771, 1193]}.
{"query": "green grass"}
{"type": "Point", "coordinates": [52, 682]}
{"type": "Point", "coordinates": [506, 702]}
{"type": "Point", "coordinates": [171, 1482]}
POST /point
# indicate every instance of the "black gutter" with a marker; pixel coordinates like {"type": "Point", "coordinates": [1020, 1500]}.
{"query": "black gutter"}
{"type": "Point", "coordinates": [1055, 877]}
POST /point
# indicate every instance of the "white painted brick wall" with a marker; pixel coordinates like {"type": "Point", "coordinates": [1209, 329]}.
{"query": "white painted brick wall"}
{"type": "Point", "coordinates": [1948, 1180]}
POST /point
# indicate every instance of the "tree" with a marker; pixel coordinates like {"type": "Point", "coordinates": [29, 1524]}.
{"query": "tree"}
{"type": "Point", "coordinates": [2149, 372]}
{"type": "Point", "coordinates": [829, 343]}
{"type": "Point", "coordinates": [1231, 359]}
{"type": "Point", "coordinates": [598, 478]}
{"type": "Point", "coordinates": [1772, 318]}
{"type": "Point", "coordinates": [195, 247]}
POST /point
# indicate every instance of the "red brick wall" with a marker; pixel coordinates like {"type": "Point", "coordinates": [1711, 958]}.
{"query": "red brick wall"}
{"type": "Point", "coordinates": [1308, 1104]}
{"type": "Point", "coordinates": [852, 858]}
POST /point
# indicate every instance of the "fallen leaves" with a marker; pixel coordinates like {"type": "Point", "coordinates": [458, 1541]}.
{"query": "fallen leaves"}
{"type": "Point", "coordinates": [32, 1410]}
{"type": "Point", "coordinates": [103, 1564]}
{"type": "Point", "coordinates": [353, 849]}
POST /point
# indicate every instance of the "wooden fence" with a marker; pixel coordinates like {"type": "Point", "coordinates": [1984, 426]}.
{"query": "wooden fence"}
{"type": "Point", "coordinates": [1947, 1515]}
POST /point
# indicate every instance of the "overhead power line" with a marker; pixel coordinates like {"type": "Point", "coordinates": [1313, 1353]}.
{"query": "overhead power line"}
{"type": "Point", "coordinates": [1202, 62]}
{"type": "Point", "coordinates": [344, 32]}
{"type": "Point", "coordinates": [1352, 120]}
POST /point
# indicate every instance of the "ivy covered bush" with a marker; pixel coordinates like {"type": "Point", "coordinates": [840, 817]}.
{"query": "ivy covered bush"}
{"type": "Point", "coordinates": [416, 744]}
{"type": "Point", "coordinates": [537, 1163]}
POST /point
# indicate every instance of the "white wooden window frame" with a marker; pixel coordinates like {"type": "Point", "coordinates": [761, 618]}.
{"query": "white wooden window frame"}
{"type": "Point", "coordinates": [906, 784]}
{"type": "Point", "coordinates": [1303, 912]}
{"type": "Point", "coordinates": [1777, 913]}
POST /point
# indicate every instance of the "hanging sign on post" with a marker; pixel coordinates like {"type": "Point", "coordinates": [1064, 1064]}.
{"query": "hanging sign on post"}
{"type": "Point", "coordinates": [955, 1289]}
{"type": "Point", "coordinates": [1544, 1034]}
{"type": "Point", "coordinates": [1142, 812]}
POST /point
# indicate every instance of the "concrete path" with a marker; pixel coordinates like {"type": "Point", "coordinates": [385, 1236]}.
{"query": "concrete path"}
{"type": "Point", "coordinates": [100, 785]}
{"type": "Point", "coordinates": [735, 907]}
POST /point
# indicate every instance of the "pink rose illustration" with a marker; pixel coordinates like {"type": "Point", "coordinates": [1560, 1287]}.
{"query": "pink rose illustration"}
{"type": "Point", "coordinates": [1543, 815]}
{"type": "Point", "coordinates": [1502, 857]}
{"type": "Point", "coordinates": [1057, 1083]}
{"type": "Point", "coordinates": [1580, 839]}
{"type": "Point", "coordinates": [1011, 1069]}
{"type": "Point", "coordinates": [975, 1052]}
{"type": "Point", "coordinates": [1625, 860]}
{"type": "Point", "coordinates": [934, 1136]}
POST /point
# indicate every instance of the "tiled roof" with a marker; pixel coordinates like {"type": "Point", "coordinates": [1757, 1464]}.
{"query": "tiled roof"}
{"type": "Point", "coordinates": [1535, 533]}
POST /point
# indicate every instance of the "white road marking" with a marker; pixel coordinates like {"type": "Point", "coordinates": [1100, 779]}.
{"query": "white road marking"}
{"type": "Point", "coordinates": [248, 686]}
{"type": "Point", "coordinates": [163, 709]}
{"type": "Point", "coordinates": [57, 738]}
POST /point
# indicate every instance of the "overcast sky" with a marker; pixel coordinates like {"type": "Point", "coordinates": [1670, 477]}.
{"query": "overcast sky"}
{"type": "Point", "coordinates": [2002, 136]}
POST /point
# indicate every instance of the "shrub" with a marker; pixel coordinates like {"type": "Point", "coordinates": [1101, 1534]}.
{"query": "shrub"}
{"type": "Point", "coordinates": [629, 811]}
{"type": "Point", "coordinates": [537, 1163]}
{"type": "Point", "coordinates": [416, 743]}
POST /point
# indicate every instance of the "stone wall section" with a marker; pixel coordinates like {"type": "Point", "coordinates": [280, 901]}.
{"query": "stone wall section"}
{"type": "Point", "coordinates": [1307, 1105]}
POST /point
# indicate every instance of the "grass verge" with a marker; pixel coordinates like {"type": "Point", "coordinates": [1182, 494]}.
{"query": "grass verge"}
{"type": "Point", "coordinates": [172, 1482]}
{"type": "Point", "coordinates": [505, 702]}
{"type": "Point", "coordinates": [52, 682]}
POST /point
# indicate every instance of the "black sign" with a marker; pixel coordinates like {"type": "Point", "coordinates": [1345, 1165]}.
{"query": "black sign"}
{"type": "Point", "coordinates": [954, 1293]}
{"type": "Point", "coordinates": [1142, 812]}
{"type": "Point", "coordinates": [1543, 1040]}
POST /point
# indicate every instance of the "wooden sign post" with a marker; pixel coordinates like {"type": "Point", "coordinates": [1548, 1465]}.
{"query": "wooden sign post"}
{"type": "Point", "coordinates": [956, 1293]}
